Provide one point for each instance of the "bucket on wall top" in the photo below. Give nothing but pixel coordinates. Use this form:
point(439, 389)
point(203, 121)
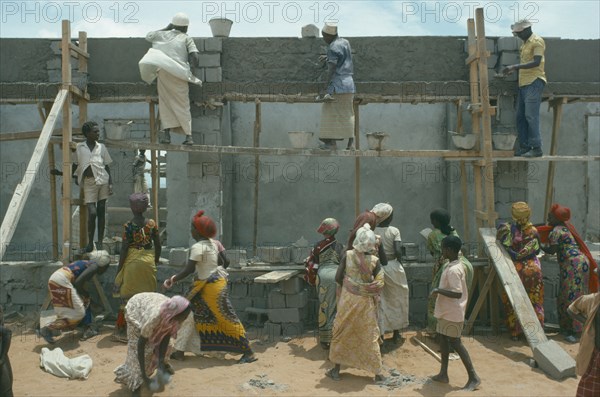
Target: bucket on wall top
point(220, 27)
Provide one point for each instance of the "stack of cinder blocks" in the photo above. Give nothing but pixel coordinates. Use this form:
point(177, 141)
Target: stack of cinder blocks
point(288, 309)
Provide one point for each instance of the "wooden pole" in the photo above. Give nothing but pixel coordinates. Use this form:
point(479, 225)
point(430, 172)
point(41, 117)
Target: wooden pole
point(557, 106)
point(356, 159)
point(257, 128)
point(154, 162)
point(17, 203)
point(465, 201)
point(486, 121)
point(51, 165)
point(66, 140)
point(83, 106)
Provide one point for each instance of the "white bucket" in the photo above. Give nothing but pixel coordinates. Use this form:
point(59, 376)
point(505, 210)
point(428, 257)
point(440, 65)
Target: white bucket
point(375, 140)
point(504, 141)
point(117, 129)
point(220, 27)
point(300, 139)
point(465, 142)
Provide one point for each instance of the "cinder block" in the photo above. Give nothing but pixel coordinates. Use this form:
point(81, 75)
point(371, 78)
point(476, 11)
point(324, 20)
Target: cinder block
point(490, 45)
point(210, 60)
point(297, 300)
point(178, 256)
point(200, 43)
point(276, 299)
point(213, 75)
point(240, 304)
point(310, 31)
point(237, 258)
point(271, 254)
point(508, 44)
point(286, 315)
point(256, 290)
point(553, 360)
point(518, 194)
point(492, 60)
point(509, 58)
point(239, 290)
point(272, 330)
point(292, 286)
point(292, 329)
point(299, 254)
point(420, 290)
point(257, 315)
point(502, 195)
point(312, 311)
point(260, 303)
point(213, 44)
point(25, 297)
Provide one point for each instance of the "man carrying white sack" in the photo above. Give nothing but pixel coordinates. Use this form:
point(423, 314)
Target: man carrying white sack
point(167, 60)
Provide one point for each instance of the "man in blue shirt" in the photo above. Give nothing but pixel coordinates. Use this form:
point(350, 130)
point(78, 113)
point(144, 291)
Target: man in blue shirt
point(337, 116)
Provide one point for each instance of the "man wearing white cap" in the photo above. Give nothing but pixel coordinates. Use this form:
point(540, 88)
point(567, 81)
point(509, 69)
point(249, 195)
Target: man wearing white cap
point(170, 64)
point(532, 80)
point(337, 116)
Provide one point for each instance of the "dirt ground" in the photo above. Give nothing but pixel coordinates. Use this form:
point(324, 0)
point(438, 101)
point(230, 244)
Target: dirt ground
point(292, 367)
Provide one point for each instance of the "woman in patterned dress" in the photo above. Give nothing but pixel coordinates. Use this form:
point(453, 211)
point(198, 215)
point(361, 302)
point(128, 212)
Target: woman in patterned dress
point(576, 264)
point(355, 341)
point(521, 240)
point(140, 255)
point(322, 265)
point(219, 327)
point(152, 319)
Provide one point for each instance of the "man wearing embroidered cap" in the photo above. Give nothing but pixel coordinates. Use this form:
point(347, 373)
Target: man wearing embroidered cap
point(169, 61)
point(532, 80)
point(337, 116)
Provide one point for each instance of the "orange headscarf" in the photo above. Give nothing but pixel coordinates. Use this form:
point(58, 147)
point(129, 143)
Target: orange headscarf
point(563, 214)
point(204, 225)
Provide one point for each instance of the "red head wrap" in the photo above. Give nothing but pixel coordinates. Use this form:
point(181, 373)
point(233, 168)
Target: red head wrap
point(204, 225)
point(561, 213)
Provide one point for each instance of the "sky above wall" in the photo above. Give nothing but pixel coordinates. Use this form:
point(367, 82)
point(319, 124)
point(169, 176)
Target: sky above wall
point(42, 19)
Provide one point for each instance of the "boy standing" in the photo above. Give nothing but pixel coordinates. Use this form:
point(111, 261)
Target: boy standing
point(139, 175)
point(93, 172)
point(450, 307)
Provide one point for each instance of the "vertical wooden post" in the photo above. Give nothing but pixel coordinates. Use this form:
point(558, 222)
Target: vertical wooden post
point(465, 200)
point(556, 120)
point(256, 143)
point(83, 106)
point(154, 162)
point(66, 141)
point(356, 159)
point(51, 165)
point(484, 93)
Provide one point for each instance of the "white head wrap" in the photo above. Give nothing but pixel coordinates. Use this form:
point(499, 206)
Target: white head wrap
point(382, 211)
point(180, 19)
point(365, 240)
point(330, 28)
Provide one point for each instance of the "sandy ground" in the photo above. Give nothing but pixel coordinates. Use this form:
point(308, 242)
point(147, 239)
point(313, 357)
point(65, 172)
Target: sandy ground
point(293, 367)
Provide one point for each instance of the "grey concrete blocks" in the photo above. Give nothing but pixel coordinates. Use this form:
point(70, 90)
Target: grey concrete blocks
point(200, 44)
point(240, 303)
point(25, 297)
point(237, 258)
point(508, 44)
point(260, 302)
point(299, 254)
point(213, 75)
point(289, 315)
point(553, 360)
point(239, 290)
point(490, 45)
point(199, 73)
point(419, 290)
point(292, 286)
point(297, 300)
point(310, 31)
point(271, 254)
point(210, 60)
point(509, 58)
point(276, 299)
point(257, 290)
point(213, 44)
point(178, 256)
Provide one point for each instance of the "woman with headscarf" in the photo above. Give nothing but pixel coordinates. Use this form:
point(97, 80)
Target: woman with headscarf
point(70, 299)
point(219, 327)
point(355, 341)
point(321, 267)
point(152, 319)
point(140, 255)
point(576, 264)
point(521, 240)
point(393, 307)
point(372, 219)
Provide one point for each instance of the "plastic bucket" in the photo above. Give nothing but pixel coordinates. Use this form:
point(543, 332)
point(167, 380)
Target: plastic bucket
point(220, 27)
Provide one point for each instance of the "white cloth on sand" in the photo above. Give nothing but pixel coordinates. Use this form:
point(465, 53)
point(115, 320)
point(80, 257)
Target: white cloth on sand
point(56, 363)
